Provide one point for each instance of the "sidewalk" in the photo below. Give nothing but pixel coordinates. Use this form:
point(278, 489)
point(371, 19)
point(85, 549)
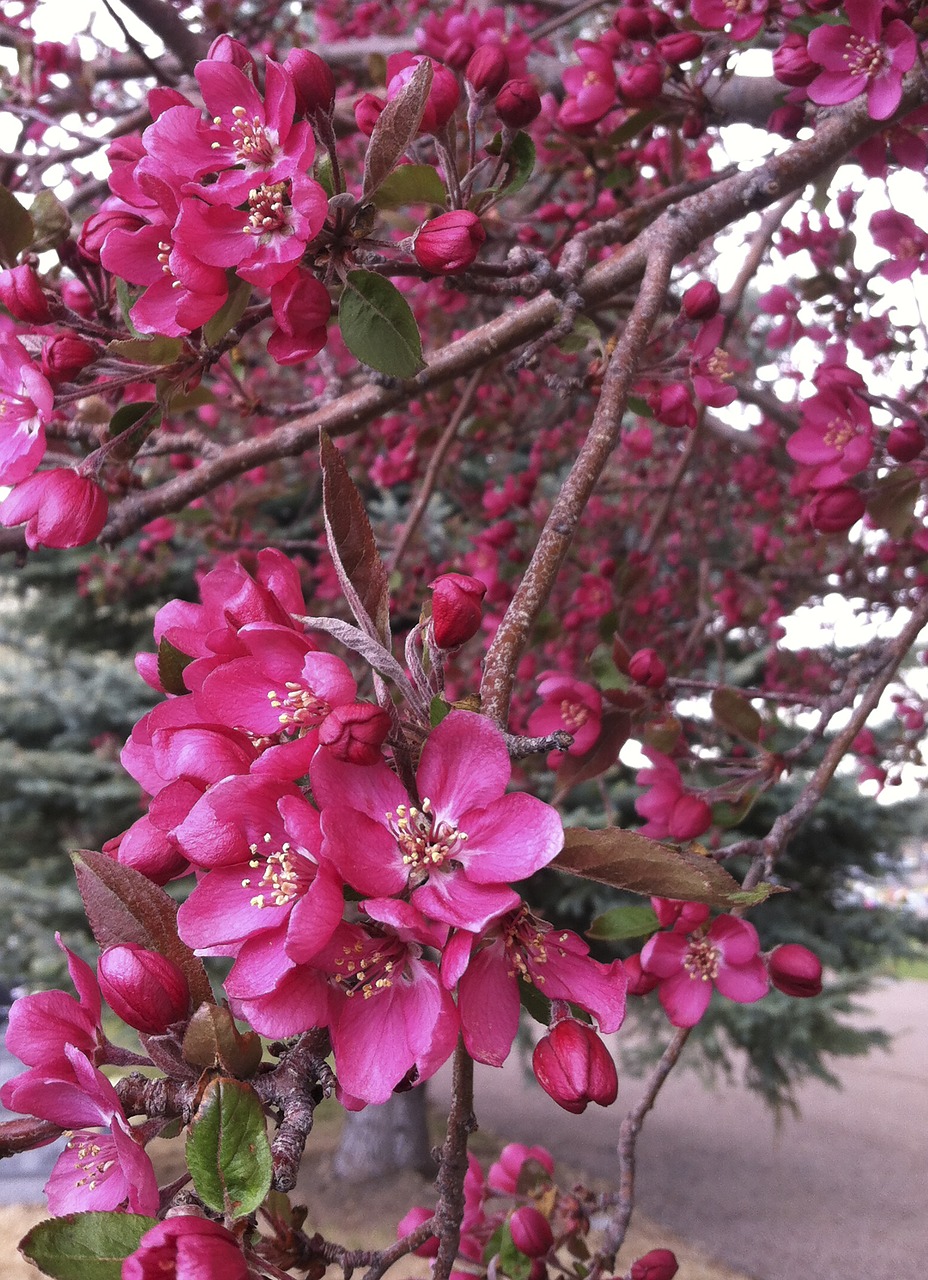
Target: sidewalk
point(840, 1194)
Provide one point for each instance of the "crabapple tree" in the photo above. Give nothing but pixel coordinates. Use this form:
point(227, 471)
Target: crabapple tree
point(514, 375)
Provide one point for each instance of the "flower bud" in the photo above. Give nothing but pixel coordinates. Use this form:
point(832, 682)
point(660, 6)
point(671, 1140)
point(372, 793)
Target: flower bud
point(673, 405)
point(640, 982)
point(186, 1248)
point(531, 1231)
point(906, 442)
point(65, 356)
point(456, 608)
point(641, 84)
point(313, 82)
point(21, 294)
point(143, 988)
point(449, 242)
point(795, 970)
point(646, 668)
point(367, 111)
point(444, 93)
point(701, 301)
point(518, 103)
point(355, 732)
point(632, 23)
point(488, 69)
point(659, 1264)
point(415, 1218)
point(93, 233)
point(689, 818)
point(792, 64)
point(226, 48)
point(59, 508)
point(836, 510)
point(574, 1067)
point(680, 46)
point(76, 296)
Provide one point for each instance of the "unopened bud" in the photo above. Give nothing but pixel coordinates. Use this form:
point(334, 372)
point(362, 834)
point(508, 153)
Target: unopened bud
point(531, 1232)
point(646, 668)
point(701, 301)
point(65, 356)
point(367, 111)
point(21, 294)
point(836, 510)
point(313, 82)
point(185, 1246)
point(689, 818)
point(641, 84)
point(659, 1264)
point(143, 988)
point(680, 46)
point(227, 49)
point(456, 608)
point(906, 442)
point(449, 242)
point(632, 23)
point(640, 982)
point(574, 1067)
point(355, 732)
point(487, 70)
point(518, 103)
point(795, 970)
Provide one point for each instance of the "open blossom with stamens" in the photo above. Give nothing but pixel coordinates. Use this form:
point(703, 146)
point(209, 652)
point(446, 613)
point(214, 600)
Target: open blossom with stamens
point(591, 87)
point(520, 947)
point(742, 19)
point(865, 55)
point(26, 401)
point(835, 436)
point(570, 705)
point(725, 956)
point(459, 847)
point(711, 366)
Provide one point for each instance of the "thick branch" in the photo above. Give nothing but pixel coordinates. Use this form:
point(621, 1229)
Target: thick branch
point(187, 46)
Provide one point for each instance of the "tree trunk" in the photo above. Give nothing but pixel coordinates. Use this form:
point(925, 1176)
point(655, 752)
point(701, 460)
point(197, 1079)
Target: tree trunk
point(383, 1139)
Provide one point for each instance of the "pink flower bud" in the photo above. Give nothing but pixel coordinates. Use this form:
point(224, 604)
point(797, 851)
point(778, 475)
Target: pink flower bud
point(227, 49)
point(65, 356)
point(488, 69)
point(518, 103)
point(59, 509)
point(646, 668)
point(456, 608)
point(836, 510)
point(449, 242)
point(444, 94)
point(415, 1218)
point(355, 732)
point(143, 988)
point(689, 818)
point(93, 233)
point(531, 1231)
point(906, 442)
point(795, 970)
point(640, 982)
point(21, 294)
point(574, 1067)
point(313, 82)
point(187, 1247)
point(673, 405)
point(659, 1264)
point(641, 84)
point(792, 64)
point(367, 111)
point(632, 23)
point(701, 301)
point(76, 296)
point(680, 46)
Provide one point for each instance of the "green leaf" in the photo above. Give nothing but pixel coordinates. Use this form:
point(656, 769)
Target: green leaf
point(734, 713)
point(127, 299)
point(891, 505)
point(148, 417)
point(634, 125)
point(520, 161)
point(585, 333)
point(229, 314)
point(438, 709)
point(352, 545)
point(623, 922)
point(146, 350)
point(51, 221)
point(396, 127)
point(123, 906)
point(411, 184)
point(325, 174)
point(228, 1152)
point(378, 326)
point(85, 1246)
point(536, 1005)
point(627, 860)
point(171, 664)
point(16, 229)
point(512, 1262)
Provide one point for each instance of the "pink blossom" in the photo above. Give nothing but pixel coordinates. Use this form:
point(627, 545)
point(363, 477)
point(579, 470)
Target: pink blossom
point(143, 987)
point(904, 240)
point(449, 243)
point(444, 94)
point(671, 811)
point(741, 20)
point(574, 1067)
point(862, 55)
point(26, 401)
point(187, 1247)
point(726, 955)
point(59, 508)
point(835, 436)
point(711, 366)
point(506, 1174)
point(22, 295)
point(459, 846)
point(520, 947)
point(570, 705)
point(301, 307)
point(591, 87)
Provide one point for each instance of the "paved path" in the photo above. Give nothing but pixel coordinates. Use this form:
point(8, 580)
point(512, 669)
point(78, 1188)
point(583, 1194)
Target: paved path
point(840, 1194)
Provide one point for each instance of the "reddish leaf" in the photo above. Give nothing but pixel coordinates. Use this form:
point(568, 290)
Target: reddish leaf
point(361, 572)
point(627, 860)
point(123, 906)
point(734, 713)
point(613, 734)
point(396, 127)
